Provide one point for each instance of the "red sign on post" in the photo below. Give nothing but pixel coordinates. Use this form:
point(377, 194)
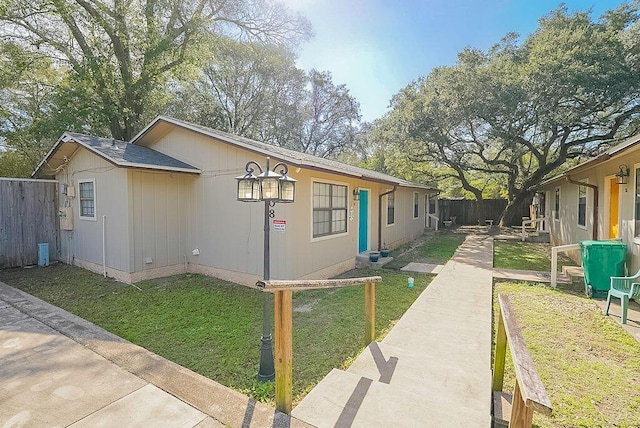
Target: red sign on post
point(279, 225)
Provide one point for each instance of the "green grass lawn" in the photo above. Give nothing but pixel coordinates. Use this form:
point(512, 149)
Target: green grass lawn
point(526, 256)
point(213, 327)
point(588, 364)
point(435, 249)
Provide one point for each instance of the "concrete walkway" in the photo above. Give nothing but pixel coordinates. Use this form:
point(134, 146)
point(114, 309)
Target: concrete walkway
point(57, 370)
point(432, 369)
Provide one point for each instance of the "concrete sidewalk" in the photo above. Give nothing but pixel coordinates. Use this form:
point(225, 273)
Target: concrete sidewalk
point(60, 370)
point(434, 366)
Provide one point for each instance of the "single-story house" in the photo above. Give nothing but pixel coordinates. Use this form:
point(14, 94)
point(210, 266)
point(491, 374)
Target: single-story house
point(166, 203)
point(597, 199)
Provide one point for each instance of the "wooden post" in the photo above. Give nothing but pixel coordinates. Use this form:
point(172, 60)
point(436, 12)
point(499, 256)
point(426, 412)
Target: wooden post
point(500, 354)
point(370, 311)
point(283, 319)
point(521, 414)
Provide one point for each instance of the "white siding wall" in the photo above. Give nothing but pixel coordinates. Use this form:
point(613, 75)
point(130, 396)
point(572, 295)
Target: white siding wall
point(83, 245)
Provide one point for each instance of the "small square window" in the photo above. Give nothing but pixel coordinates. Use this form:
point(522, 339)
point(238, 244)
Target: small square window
point(87, 199)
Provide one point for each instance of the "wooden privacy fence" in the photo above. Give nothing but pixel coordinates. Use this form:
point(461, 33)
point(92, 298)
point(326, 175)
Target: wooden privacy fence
point(529, 393)
point(466, 210)
point(28, 216)
point(283, 329)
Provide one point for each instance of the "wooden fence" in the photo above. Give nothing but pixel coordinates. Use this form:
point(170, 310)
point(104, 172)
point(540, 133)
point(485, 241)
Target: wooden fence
point(466, 210)
point(28, 216)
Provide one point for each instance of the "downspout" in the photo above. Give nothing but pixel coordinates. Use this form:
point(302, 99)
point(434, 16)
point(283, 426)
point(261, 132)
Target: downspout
point(595, 204)
point(380, 215)
point(104, 246)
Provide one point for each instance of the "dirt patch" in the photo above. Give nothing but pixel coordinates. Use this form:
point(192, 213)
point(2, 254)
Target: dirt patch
point(307, 307)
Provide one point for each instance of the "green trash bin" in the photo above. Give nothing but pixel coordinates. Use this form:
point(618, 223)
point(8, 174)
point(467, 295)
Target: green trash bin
point(601, 260)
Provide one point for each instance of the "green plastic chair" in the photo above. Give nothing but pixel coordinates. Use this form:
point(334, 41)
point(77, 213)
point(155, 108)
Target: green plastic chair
point(624, 288)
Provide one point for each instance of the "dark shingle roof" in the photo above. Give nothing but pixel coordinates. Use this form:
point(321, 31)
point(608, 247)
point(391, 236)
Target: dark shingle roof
point(127, 154)
point(117, 152)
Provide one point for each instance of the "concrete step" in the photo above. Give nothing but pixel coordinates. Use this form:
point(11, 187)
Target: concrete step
point(363, 262)
point(345, 399)
point(461, 384)
point(572, 271)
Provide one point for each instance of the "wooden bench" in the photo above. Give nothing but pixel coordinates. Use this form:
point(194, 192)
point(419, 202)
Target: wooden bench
point(529, 393)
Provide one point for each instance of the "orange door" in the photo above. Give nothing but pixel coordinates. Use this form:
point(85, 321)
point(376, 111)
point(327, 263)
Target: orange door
point(613, 210)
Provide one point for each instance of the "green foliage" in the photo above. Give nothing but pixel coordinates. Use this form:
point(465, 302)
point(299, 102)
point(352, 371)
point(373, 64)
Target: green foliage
point(256, 91)
point(119, 54)
point(501, 121)
point(526, 256)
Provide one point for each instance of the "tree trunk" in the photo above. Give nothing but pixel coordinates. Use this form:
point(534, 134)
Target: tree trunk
point(511, 214)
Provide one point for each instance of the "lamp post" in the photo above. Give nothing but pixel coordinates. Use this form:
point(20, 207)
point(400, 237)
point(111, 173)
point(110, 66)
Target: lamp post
point(269, 187)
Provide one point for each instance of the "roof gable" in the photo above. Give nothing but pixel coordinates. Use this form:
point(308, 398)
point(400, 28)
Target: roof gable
point(161, 125)
point(119, 153)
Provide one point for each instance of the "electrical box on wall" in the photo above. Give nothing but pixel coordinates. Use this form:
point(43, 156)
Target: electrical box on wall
point(63, 189)
point(71, 191)
point(66, 218)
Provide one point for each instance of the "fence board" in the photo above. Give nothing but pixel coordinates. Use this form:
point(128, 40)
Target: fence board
point(466, 210)
point(28, 216)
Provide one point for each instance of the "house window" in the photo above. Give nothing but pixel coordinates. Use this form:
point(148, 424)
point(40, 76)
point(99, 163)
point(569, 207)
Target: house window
point(391, 208)
point(329, 209)
point(416, 213)
point(637, 231)
point(556, 211)
point(582, 206)
point(87, 199)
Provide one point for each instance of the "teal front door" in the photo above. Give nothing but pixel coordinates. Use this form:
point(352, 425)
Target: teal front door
point(363, 221)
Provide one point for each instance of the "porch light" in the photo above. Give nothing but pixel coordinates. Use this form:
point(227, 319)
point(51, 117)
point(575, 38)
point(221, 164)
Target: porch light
point(287, 188)
point(622, 177)
point(356, 194)
point(268, 187)
point(248, 187)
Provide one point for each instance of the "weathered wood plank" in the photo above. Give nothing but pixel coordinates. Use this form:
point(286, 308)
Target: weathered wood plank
point(499, 355)
point(283, 320)
point(370, 311)
point(28, 216)
point(309, 284)
point(521, 413)
point(530, 385)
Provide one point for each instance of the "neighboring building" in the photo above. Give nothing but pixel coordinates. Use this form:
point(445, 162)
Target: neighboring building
point(587, 201)
point(165, 203)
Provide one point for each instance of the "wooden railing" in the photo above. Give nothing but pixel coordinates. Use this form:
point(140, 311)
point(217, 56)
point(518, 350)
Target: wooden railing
point(539, 222)
point(529, 393)
point(436, 218)
point(283, 329)
point(554, 260)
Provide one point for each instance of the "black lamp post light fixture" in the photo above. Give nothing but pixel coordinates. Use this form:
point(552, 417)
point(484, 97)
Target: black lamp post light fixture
point(622, 176)
point(270, 186)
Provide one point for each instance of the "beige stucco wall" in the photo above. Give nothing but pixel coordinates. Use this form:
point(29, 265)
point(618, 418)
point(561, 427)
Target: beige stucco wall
point(84, 243)
point(566, 230)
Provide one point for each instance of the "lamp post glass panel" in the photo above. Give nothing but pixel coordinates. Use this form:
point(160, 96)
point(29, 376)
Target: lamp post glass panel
point(270, 186)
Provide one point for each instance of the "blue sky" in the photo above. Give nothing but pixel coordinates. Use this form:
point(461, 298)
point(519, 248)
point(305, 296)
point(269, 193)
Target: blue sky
point(377, 47)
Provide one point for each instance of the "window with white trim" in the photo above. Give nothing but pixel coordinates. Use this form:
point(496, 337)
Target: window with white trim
point(391, 208)
point(416, 212)
point(329, 209)
point(582, 206)
point(87, 199)
point(556, 205)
